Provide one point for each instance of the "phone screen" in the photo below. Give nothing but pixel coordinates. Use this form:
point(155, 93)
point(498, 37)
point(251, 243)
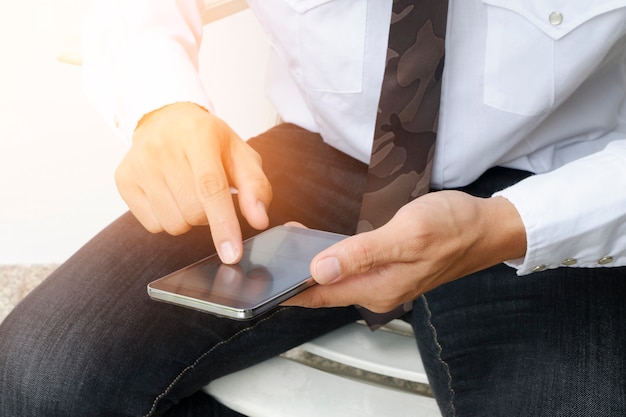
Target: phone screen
point(274, 267)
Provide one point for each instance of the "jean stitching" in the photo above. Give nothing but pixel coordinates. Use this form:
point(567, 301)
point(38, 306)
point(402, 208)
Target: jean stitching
point(439, 351)
point(204, 355)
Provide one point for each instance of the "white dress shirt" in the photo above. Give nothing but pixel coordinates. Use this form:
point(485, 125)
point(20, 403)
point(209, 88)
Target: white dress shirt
point(538, 85)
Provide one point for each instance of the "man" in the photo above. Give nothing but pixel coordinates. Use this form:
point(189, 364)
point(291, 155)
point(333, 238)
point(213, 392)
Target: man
point(530, 87)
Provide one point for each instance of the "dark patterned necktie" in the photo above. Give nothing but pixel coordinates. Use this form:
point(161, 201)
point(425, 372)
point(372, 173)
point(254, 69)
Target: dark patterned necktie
point(406, 123)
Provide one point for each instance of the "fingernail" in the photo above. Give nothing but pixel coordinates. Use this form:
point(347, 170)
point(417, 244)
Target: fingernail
point(228, 254)
point(327, 270)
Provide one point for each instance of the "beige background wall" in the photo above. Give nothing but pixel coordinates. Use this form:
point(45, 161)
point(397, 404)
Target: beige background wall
point(56, 156)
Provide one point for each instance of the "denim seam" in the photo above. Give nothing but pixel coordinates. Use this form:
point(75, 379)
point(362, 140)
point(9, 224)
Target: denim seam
point(439, 351)
point(204, 355)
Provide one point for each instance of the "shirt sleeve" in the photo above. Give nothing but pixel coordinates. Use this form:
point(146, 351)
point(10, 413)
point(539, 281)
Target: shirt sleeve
point(140, 55)
point(574, 216)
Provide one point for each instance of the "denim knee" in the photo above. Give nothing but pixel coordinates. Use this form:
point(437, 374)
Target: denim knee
point(39, 364)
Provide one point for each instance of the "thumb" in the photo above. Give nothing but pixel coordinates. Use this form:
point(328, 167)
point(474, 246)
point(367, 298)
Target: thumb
point(354, 255)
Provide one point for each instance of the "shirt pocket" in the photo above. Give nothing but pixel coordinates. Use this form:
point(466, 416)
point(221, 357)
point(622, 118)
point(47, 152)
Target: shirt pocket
point(529, 48)
point(331, 42)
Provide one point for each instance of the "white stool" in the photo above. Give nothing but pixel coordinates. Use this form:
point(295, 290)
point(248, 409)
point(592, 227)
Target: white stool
point(348, 372)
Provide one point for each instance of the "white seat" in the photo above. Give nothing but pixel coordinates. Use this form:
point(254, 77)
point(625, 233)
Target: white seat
point(280, 387)
point(358, 366)
point(391, 351)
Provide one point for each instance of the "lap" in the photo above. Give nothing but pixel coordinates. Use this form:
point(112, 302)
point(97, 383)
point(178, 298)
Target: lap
point(89, 341)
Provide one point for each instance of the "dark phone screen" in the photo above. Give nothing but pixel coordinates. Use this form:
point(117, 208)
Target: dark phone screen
point(273, 263)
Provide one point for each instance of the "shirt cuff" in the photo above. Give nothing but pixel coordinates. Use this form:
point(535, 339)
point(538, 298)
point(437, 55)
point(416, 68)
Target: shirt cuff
point(137, 60)
point(574, 216)
point(154, 75)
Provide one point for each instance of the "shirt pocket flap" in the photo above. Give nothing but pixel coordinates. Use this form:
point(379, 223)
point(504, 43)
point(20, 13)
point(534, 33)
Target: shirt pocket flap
point(557, 18)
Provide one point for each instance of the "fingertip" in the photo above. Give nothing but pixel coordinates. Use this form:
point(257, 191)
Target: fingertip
point(228, 253)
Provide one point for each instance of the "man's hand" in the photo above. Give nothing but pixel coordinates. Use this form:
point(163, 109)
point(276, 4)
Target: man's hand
point(434, 239)
point(178, 171)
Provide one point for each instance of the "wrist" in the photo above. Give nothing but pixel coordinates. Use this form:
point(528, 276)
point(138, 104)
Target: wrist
point(174, 111)
point(505, 229)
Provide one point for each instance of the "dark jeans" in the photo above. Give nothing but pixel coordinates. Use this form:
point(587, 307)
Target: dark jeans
point(89, 342)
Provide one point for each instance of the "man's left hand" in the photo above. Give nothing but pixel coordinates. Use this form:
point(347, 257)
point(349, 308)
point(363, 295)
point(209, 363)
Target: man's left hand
point(437, 238)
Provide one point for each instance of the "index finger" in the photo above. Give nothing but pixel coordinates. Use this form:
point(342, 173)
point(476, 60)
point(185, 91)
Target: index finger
point(214, 195)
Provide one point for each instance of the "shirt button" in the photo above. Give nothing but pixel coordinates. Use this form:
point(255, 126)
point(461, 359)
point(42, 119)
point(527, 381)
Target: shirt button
point(116, 122)
point(539, 268)
point(556, 18)
point(569, 262)
point(605, 260)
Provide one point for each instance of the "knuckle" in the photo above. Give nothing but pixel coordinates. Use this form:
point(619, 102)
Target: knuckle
point(196, 216)
point(364, 253)
point(211, 187)
point(190, 207)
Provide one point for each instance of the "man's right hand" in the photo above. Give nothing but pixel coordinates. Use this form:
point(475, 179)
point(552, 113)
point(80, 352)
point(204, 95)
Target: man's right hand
point(178, 171)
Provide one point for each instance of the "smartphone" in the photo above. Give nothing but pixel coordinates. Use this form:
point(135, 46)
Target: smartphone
point(274, 267)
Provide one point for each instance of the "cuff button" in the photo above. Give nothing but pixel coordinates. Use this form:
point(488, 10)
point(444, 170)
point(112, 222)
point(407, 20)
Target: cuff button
point(605, 260)
point(569, 262)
